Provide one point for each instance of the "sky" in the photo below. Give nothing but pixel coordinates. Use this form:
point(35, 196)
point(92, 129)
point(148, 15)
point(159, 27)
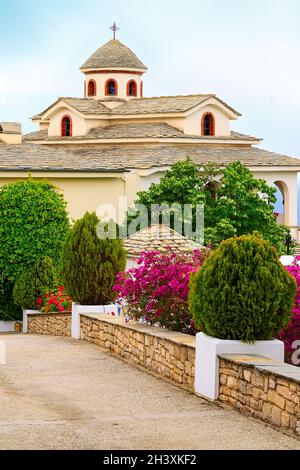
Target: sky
point(247, 52)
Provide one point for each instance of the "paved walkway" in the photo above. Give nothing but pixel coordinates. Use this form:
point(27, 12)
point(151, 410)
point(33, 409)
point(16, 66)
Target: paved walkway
point(58, 393)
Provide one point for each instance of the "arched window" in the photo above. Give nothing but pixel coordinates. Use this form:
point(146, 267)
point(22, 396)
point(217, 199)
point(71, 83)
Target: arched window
point(111, 88)
point(131, 88)
point(1, 129)
point(66, 126)
point(92, 88)
point(142, 89)
point(208, 124)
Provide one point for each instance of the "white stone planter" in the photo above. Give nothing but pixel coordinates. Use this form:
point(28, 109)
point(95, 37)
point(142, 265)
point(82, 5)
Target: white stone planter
point(78, 310)
point(26, 313)
point(207, 361)
point(7, 326)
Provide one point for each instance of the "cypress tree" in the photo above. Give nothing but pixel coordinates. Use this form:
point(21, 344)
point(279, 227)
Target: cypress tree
point(90, 264)
point(242, 291)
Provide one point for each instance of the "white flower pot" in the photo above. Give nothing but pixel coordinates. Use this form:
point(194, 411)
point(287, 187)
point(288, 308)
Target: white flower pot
point(78, 310)
point(208, 350)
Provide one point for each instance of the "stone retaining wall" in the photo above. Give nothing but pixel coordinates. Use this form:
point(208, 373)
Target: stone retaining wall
point(267, 391)
point(58, 324)
point(168, 354)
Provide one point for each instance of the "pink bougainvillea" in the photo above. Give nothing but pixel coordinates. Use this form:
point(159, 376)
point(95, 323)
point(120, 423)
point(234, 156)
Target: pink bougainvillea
point(292, 332)
point(157, 289)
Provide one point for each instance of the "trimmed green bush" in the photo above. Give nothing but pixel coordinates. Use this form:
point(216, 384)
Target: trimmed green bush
point(33, 223)
point(89, 264)
point(242, 291)
point(34, 283)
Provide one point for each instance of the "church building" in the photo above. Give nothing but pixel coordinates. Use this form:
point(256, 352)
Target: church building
point(113, 142)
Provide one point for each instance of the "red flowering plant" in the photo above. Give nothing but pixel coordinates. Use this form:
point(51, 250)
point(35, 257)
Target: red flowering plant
point(292, 333)
point(56, 301)
point(157, 289)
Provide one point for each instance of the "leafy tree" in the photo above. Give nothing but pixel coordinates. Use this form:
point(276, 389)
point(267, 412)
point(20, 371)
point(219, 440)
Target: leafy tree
point(235, 202)
point(90, 264)
point(242, 291)
point(34, 283)
point(33, 223)
point(248, 204)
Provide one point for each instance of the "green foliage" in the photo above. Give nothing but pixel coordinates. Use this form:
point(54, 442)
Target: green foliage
point(89, 264)
point(33, 223)
point(34, 283)
point(242, 292)
point(248, 204)
point(8, 310)
point(235, 202)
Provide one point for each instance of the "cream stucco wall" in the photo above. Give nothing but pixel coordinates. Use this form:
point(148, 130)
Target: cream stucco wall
point(79, 124)
point(121, 78)
point(83, 194)
point(105, 192)
point(192, 123)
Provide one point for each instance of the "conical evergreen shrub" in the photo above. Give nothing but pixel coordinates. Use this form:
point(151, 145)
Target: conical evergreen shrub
point(242, 291)
point(89, 264)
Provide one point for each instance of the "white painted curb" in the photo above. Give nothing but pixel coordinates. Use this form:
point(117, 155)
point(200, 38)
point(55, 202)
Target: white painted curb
point(207, 361)
point(26, 313)
point(7, 326)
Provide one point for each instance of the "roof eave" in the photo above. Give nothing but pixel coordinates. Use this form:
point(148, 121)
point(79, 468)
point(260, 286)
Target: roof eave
point(108, 69)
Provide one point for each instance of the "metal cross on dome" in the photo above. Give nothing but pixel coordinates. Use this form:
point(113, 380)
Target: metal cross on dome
point(114, 28)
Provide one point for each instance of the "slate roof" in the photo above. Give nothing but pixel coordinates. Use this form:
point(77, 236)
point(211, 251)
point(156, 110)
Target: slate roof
point(114, 54)
point(33, 157)
point(155, 105)
point(158, 238)
point(135, 131)
point(166, 104)
point(83, 105)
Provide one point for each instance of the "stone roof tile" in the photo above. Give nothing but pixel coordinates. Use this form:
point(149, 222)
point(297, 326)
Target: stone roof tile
point(158, 238)
point(137, 106)
point(138, 131)
point(33, 157)
point(114, 54)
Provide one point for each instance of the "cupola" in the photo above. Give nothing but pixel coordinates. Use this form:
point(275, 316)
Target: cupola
point(113, 71)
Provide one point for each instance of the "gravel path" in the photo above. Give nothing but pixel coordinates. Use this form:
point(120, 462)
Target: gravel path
point(58, 393)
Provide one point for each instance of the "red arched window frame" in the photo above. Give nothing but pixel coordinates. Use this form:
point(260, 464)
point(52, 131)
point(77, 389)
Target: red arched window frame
point(66, 126)
point(132, 88)
point(107, 86)
point(208, 125)
point(92, 88)
point(142, 89)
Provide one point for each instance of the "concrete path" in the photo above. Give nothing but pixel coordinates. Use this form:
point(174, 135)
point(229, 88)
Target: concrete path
point(58, 393)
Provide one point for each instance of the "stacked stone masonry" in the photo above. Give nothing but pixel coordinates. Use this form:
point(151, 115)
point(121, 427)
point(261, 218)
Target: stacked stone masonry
point(168, 358)
point(54, 324)
point(260, 393)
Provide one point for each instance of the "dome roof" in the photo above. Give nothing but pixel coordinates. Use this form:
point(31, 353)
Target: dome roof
point(112, 55)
